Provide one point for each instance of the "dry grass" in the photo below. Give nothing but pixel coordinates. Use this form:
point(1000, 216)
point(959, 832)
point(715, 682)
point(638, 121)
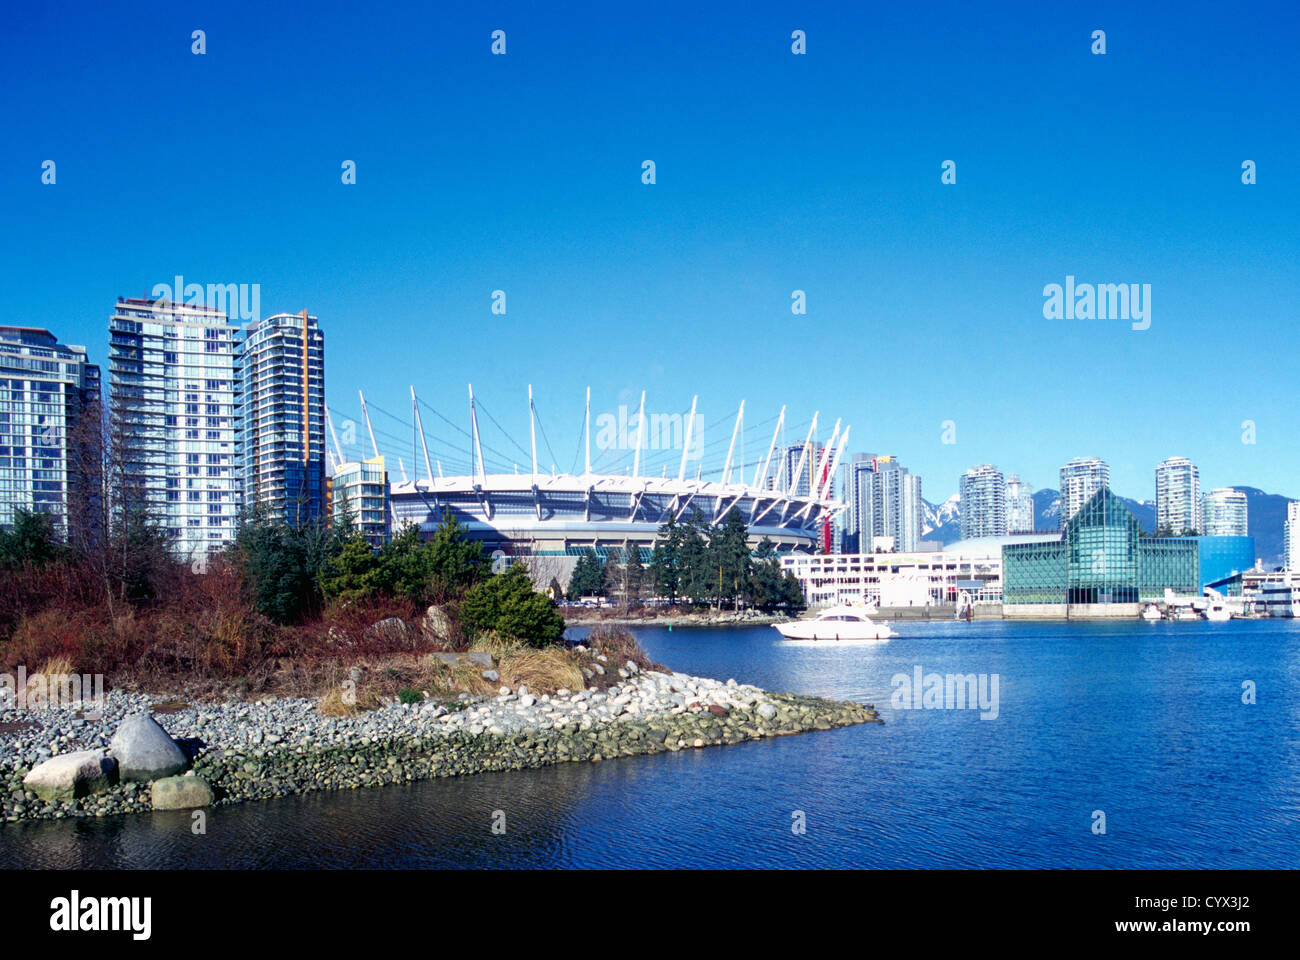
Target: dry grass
point(500, 647)
point(333, 705)
point(542, 671)
point(447, 680)
point(340, 703)
point(56, 667)
point(620, 646)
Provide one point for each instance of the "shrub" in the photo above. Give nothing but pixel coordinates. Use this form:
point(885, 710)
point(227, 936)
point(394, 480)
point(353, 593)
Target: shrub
point(508, 604)
point(620, 646)
point(409, 696)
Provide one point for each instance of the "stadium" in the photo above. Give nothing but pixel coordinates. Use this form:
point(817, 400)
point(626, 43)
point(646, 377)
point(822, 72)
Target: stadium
point(550, 518)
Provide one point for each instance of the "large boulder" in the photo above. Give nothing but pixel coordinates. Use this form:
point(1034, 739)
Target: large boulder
point(144, 751)
point(436, 625)
point(181, 793)
point(483, 660)
point(391, 629)
point(71, 775)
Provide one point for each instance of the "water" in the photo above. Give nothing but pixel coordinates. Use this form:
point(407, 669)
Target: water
point(1142, 721)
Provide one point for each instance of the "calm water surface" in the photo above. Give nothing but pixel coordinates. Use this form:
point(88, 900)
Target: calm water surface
point(1142, 721)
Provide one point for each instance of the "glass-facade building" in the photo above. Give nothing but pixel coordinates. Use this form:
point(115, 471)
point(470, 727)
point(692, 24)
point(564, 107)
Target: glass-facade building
point(359, 491)
point(1291, 537)
point(1224, 513)
point(983, 492)
point(1020, 505)
point(1101, 559)
point(1080, 479)
point(282, 385)
point(1178, 497)
point(175, 420)
point(50, 431)
point(1224, 557)
point(885, 509)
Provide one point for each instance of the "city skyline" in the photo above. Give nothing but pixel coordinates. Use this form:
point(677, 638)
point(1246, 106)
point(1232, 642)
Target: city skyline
point(777, 173)
point(287, 357)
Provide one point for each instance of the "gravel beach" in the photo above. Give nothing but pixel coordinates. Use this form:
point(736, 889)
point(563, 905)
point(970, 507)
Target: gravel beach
point(282, 746)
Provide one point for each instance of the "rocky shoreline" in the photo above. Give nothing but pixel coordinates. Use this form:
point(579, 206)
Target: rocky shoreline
point(279, 747)
point(704, 618)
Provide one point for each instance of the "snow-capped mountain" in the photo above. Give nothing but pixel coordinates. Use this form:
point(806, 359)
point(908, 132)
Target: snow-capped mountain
point(942, 522)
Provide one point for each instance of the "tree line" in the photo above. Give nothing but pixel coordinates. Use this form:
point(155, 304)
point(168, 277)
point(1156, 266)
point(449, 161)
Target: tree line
point(693, 562)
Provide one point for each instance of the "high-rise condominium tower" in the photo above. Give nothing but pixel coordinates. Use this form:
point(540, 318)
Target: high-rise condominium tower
point(1081, 478)
point(1223, 513)
point(885, 509)
point(175, 421)
point(50, 431)
point(281, 375)
point(1178, 496)
point(1291, 540)
point(983, 502)
point(1020, 505)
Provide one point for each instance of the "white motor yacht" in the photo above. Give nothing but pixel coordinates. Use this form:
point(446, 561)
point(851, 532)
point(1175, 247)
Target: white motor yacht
point(1218, 611)
point(841, 624)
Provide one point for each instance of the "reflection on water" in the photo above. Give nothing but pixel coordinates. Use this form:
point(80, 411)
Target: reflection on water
point(1143, 721)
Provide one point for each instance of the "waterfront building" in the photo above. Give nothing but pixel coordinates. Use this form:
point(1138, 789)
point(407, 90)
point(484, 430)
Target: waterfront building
point(282, 386)
point(50, 431)
point(983, 492)
point(1291, 537)
point(1279, 595)
point(360, 493)
point(175, 421)
point(1222, 558)
point(1098, 566)
point(1178, 497)
point(1081, 478)
point(1020, 505)
point(1223, 513)
point(900, 579)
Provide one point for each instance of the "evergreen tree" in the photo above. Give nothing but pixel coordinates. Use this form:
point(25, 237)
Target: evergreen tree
point(693, 562)
point(633, 577)
point(729, 560)
point(586, 578)
point(666, 560)
point(456, 563)
point(767, 585)
point(508, 603)
point(611, 581)
point(32, 541)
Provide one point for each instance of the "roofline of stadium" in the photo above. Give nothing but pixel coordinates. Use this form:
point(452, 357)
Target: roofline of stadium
point(791, 518)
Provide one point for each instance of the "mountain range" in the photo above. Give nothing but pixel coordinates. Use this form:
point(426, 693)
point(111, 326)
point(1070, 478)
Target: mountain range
point(1265, 515)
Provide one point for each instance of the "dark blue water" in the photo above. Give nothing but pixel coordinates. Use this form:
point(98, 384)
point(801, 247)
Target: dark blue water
point(1142, 721)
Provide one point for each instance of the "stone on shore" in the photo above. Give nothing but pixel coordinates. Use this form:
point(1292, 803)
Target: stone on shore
point(436, 625)
point(181, 793)
point(144, 751)
point(71, 775)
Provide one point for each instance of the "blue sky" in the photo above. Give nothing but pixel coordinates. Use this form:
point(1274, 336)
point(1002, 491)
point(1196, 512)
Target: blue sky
point(775, 172)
